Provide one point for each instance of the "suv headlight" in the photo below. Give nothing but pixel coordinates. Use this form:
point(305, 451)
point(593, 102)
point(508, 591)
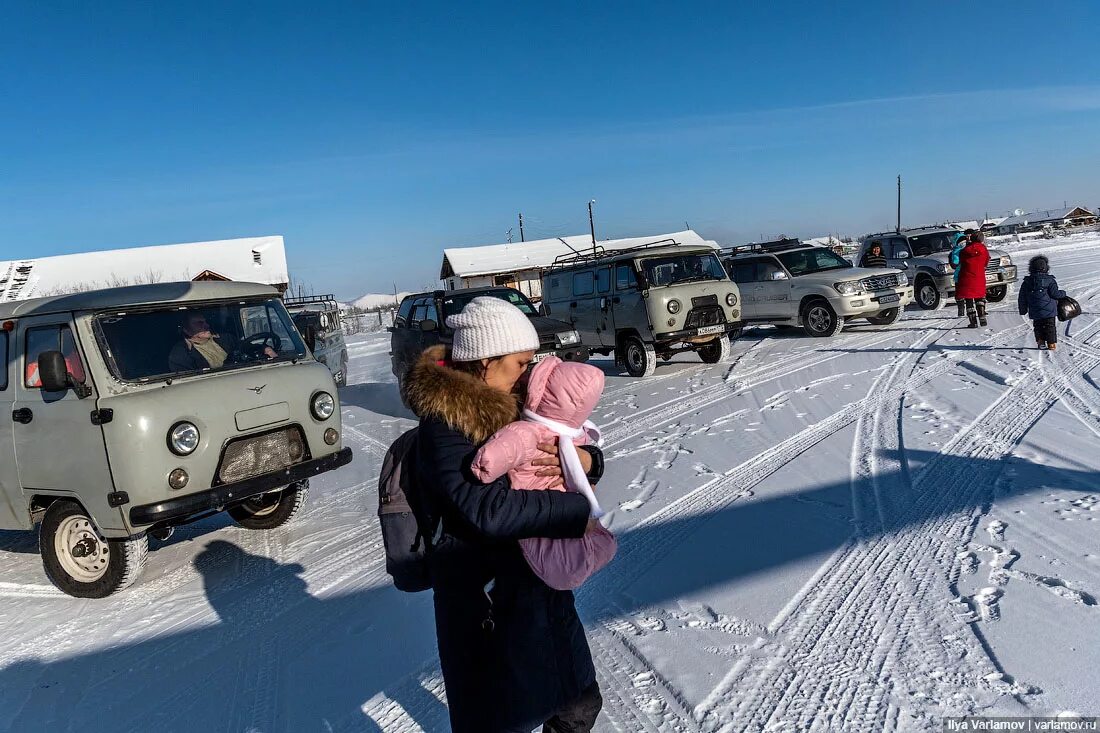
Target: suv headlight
point(1006, 261)
point(568, 338)
point(903, 279)
point(183, 439)
point(946, 268)
point(322, 405)
point(848, 288)
point(674, 306)
point(731, 299)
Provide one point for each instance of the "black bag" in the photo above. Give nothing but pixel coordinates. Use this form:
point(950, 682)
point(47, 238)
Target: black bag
point(401, 516)
point(1068, 308)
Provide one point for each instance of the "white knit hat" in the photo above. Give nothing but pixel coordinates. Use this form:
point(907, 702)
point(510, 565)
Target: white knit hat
point(489, 327)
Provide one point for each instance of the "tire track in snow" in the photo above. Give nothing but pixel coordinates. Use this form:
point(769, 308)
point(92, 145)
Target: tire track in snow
point(841, 644)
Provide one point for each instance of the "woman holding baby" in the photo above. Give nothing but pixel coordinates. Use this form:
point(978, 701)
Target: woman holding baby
point(505, 463)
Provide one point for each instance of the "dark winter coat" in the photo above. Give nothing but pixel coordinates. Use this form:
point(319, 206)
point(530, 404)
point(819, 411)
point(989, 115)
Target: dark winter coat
point(1039, 296)
point(533, 658)
point(184, 358)
point(972, 263)
point(872, 260)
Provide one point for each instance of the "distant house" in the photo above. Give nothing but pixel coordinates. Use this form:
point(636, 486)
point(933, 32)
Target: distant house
point(519, 264)
point(1070, 216)
point(255, 259)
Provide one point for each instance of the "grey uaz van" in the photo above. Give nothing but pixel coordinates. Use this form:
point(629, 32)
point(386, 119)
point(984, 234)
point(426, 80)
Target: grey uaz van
point(129, 411)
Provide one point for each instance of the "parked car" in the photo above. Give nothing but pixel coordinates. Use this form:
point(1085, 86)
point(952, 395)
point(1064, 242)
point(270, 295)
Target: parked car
point(923, 254)
point(421, 322)
point(813, 287)
point(646, 302)
point(106, 439)
point(318, 319)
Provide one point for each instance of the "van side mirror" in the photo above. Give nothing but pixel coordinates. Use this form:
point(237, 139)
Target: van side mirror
point(52, 371)
point(428, 325)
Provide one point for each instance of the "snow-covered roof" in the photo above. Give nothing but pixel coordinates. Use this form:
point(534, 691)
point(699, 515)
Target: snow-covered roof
point(539, 253)
point(253, 259)
point(1048, 215)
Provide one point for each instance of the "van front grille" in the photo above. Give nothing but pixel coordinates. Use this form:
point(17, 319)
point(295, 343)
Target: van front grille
point(255, 455)
point(707, 316)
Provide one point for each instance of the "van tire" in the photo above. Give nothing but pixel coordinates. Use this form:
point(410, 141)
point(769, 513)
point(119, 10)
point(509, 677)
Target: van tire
point(637, 357)
point(268, 512)
point(997, 294)
point(718, 351)
point(927, 295)
point(343, 380)
point(885, 318)
point(820, 320)
point(64, 522)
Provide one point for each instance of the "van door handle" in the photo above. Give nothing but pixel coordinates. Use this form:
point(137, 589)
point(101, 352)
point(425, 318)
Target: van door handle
point(22, 415)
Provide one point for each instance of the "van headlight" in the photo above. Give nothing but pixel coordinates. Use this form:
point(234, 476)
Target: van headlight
point(183, 439)
point(848, 288)
point(731, 299)
point(674, 306)
point(322, 405)
point(568, 338)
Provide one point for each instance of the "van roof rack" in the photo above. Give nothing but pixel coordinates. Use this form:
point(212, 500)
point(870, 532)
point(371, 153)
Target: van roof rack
point(304, 299)
point(598, 253)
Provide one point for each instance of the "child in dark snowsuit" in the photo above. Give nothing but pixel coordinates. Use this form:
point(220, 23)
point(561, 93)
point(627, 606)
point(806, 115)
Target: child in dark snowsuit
point(1039, 296)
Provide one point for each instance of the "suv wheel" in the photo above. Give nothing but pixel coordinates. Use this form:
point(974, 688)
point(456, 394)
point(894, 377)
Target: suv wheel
point(82, 563)
point(885, 318)
point(820, 320)
point(639, 358)
point(929, 296)
point(720, 350)
point(271, 510)
point(997, 294)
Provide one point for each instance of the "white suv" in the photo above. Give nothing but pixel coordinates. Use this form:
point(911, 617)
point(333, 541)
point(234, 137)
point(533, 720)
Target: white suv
point(793, 284)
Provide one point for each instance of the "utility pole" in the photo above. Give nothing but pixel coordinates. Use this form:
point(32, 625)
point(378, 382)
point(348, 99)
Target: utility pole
point(591, 225)
point(521, 227)
point(899, 204)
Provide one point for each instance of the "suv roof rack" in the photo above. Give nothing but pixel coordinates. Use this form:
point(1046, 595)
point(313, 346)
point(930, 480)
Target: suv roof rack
point(598, 253)
point(779, 245)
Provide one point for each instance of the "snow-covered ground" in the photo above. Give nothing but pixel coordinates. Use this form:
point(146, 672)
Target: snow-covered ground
point(863, 533)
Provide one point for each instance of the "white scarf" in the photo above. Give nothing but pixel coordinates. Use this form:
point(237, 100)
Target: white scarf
point(571, 468)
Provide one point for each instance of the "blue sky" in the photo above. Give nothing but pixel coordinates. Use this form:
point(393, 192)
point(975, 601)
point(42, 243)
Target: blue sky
point(372, 135)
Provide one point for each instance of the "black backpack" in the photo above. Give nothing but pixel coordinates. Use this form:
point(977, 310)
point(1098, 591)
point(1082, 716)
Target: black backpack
point(401, 514)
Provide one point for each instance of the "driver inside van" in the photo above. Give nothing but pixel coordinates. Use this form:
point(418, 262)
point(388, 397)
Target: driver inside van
point(201, 348)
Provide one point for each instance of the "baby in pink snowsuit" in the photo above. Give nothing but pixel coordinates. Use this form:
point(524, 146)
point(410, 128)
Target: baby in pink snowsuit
point(560, 397)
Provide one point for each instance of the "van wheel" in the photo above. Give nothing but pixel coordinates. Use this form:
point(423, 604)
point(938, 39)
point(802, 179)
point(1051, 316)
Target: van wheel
point(885, 318)
point(270, 510)
point(929, 296)
point(720, 350)
point(820, 320)
point(639, 358)
point(82, 563)
point(996, 295)
point(343, 380)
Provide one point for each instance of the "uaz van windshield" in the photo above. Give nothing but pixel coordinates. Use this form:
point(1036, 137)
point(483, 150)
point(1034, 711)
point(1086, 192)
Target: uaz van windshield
point(162, 343)
point(454, 303)
point(806, 261)
point(676, 269)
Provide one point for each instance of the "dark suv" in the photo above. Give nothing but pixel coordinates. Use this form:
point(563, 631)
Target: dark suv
point(421, 322)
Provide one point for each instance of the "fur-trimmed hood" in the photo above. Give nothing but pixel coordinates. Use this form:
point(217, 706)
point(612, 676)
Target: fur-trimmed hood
point(460, 400)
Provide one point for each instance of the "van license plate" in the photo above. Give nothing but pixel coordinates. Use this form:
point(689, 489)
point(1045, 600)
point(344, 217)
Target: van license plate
point(892, 298)
point(710, 329)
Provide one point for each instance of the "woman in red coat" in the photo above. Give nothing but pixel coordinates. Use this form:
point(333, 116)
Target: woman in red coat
point(971, 286)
